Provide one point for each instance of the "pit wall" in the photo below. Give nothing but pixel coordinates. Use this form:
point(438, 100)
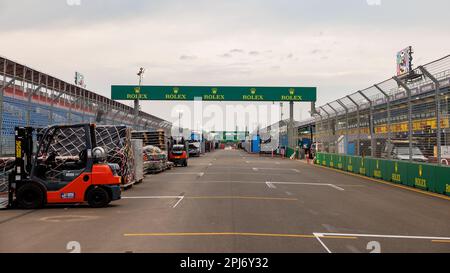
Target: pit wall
point(428, 177)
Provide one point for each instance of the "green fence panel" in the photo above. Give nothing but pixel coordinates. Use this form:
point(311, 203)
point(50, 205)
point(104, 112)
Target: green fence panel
point(331, 159)
point(442, 182)
point(421, 176)
point(364, 164)
point(341, 162)
point(318, 158)
point(346, 160)
point(350, 163)
point(397, 171)
point(378, 168)
point(356, 161)
point(325, 158)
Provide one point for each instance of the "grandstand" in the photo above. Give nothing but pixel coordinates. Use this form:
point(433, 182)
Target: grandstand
point(30, 97)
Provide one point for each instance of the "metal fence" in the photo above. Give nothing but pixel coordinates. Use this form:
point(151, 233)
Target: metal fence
point(30, 97)
point(395, 119)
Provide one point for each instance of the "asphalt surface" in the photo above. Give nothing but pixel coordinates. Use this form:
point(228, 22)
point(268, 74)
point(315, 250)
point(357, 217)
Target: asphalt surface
point(230, 201)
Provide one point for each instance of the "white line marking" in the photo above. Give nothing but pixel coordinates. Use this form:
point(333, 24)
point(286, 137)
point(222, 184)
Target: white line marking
point(295, 170)
point(386, 236)
point(201, 174)
point(151, 197)
point(278, 163)
point(248, 162)
point(210, 164)
point(309, 184)
point(318, 235)
point(336, 187)
point(255, 169)
point(270, 185)
point(179, 200)
point(181, 173)
point(289, 193)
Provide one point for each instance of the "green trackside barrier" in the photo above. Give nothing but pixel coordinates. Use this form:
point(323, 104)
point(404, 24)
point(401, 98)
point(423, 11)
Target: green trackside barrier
point(318, 158)
point(364, 164)
point(378, 169)
point(330, 160)
point(324, 159)
point(349, 163)
point(345, 160)
point(356, 162)
point(340, 162)
point(442, 182)
point(422, 176)
point(397, 171)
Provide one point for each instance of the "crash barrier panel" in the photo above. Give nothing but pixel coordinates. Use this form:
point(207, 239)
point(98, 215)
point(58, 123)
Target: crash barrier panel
point(424, 176)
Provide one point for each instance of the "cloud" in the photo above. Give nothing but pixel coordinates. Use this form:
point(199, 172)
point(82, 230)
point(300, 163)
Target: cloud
point(225, 55)
point(237, 50)
point(187, 57)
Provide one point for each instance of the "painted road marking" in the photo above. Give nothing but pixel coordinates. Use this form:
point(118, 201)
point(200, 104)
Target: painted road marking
point(201, 174)
point(327, 235)
point(179, 200)
point(270, 185)
point(151, 197)
point(295, 170)
point(309, 184)
point(170, 234)
point(441, 241)
point(212, 197)
point(184, 173)
point(243, 197)
point(255, 169)
point(384, 182)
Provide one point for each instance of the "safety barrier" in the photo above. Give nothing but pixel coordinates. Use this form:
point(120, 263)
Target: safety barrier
point(429, 177)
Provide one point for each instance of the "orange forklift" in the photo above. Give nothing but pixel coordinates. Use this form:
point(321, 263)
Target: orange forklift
point(67, 168)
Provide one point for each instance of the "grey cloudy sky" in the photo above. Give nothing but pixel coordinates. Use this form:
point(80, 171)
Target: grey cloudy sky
point(338, 46)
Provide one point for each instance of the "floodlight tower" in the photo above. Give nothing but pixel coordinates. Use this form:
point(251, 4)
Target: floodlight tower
point(136, 101)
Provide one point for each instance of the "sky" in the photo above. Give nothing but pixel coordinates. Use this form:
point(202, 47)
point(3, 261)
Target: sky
point(338, 46)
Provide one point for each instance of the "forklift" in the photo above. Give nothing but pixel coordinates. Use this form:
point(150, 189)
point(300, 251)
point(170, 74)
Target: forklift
point(178, 151)
point(67, 168)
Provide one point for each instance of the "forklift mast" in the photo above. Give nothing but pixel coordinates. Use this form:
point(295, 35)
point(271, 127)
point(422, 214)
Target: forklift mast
point(23, 156)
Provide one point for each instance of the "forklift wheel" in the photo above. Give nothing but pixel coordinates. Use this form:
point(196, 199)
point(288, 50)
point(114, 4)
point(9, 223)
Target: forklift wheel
point(98, 198)
point(30, 196)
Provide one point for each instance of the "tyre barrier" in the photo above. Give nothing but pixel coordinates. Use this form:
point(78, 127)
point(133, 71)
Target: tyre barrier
point(424, 176)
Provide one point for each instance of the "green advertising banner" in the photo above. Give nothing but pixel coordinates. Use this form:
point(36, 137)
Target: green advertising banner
point(213, 93)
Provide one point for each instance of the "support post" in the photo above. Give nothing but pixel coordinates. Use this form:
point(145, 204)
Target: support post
point(388, 109)
point(335, 127)
point(410, 131)
point(346, 124)
point(372, 140)
point(437, 99)
point(358, 120)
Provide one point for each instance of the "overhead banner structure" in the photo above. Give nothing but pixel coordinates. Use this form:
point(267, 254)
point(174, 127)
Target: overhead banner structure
point(213, 93)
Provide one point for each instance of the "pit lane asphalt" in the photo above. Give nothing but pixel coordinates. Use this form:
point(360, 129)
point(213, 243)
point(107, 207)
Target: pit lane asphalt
point(230, 201)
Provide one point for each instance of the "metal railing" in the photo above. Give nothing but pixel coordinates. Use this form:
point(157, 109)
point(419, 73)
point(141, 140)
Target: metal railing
point(395, 119)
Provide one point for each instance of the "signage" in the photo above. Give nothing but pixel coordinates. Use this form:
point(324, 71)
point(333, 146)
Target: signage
point(213, 93)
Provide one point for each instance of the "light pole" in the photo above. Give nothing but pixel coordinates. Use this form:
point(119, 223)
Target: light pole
point(136, 101)
point(180, 115)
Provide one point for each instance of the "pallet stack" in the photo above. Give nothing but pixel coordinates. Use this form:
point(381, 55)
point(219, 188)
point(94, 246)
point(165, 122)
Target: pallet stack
point(154, 138)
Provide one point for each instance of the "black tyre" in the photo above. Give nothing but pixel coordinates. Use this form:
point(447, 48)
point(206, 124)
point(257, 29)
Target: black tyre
point(30, 196)
point(98, 197)
point(185, 164)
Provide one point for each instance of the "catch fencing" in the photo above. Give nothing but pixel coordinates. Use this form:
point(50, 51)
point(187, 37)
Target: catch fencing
point(401, 118)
